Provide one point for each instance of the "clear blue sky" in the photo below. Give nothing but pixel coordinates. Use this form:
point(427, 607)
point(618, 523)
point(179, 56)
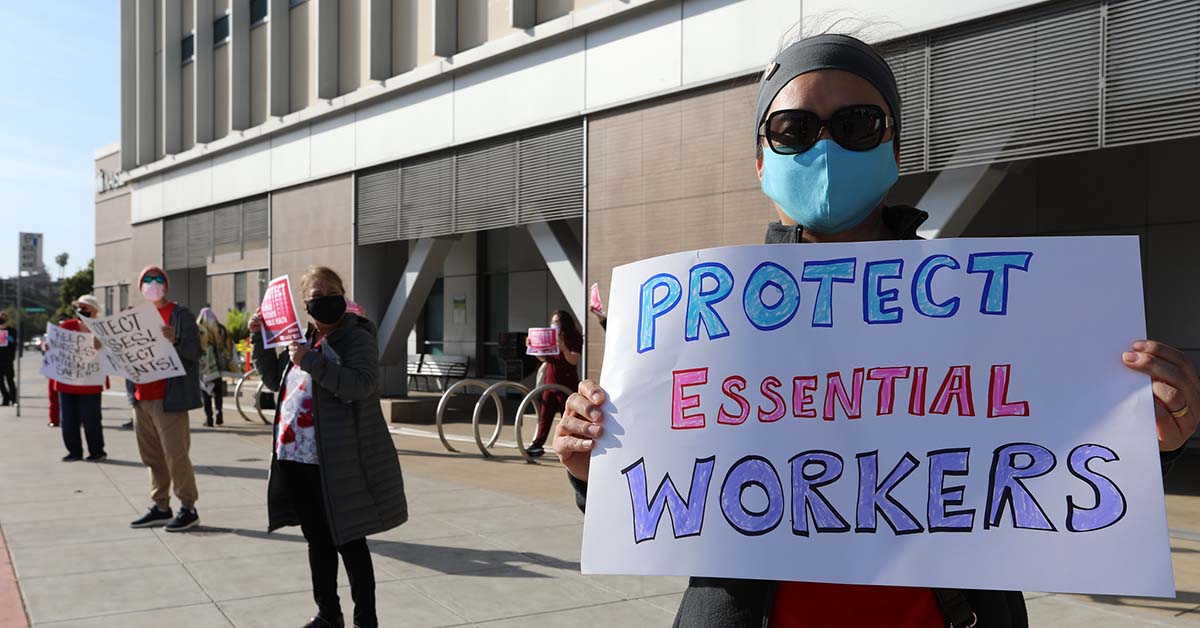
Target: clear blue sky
point(60, 101)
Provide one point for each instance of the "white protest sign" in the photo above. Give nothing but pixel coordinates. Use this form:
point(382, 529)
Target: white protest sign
point(133, 345)
point(280, 326)
point(71, 358)
point(542, 341)
point(946, 413)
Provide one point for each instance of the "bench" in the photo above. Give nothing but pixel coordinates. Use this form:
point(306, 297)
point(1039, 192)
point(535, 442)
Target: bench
point(440, 369)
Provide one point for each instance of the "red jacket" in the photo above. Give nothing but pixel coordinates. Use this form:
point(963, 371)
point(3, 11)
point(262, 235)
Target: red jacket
point(72, 324)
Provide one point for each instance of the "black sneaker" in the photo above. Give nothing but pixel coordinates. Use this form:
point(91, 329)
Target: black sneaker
point(127, 426)
point(153, 518)
point(187, 519)
point(321, 622)
point(536, 452)
point(72, 458)
point(97, 457)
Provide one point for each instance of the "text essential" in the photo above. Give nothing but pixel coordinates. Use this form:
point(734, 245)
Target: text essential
point(949, 413)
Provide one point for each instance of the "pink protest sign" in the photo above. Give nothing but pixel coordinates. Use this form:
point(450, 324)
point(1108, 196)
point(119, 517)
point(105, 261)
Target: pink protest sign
point(543, 341)
point(594, 299)
point(280, 326)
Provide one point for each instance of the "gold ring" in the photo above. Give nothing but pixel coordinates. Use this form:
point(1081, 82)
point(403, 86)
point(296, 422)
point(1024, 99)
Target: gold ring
point(1180, 413)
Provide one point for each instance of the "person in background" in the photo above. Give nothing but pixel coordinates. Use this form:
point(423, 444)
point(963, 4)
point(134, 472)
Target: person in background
point(334, 469)
point(130, 396)
point(217, 359)
point(161, 414)
point(561, 369)
point(10, 350)
point(81, 404)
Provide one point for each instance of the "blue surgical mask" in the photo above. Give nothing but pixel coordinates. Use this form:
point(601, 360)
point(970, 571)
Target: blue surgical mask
point(827, 188)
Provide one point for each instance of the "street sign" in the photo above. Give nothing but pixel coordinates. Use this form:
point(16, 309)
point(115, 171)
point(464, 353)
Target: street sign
point(31, 252)
point(35, 310)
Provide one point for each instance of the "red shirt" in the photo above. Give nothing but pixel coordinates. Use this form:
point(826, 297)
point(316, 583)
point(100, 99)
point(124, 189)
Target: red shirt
point(155, 390)
point(818, 605)
point(72, 324)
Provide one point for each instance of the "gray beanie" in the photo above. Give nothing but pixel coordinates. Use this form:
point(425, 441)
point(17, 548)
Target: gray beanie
point(828, 52)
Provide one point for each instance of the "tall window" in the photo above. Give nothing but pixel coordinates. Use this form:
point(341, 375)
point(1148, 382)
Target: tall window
point(188, 48)
point(108, 301)
point(435, 328)
point(221, 29)
point(239, 291)
point(263, 279)
point(258, 11)
point(124, 298)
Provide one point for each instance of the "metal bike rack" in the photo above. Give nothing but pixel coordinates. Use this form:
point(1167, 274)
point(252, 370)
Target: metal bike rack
point(492, 391)
point(237, 396)
point(531, 398)
point(441, 410)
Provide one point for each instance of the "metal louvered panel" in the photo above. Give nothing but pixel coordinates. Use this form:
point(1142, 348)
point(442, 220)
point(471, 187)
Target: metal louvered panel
point(1152, 71)
point(199, 238)
point(426, 198)
point(378, 194)
point(175, 242)
point(254, 224)
point(550, 185)
point(227, 229)
point(485, 181)
point(909, 61)
point(1017, 87)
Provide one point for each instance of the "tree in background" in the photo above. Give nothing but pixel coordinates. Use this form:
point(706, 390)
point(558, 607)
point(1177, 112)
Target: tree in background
point(236, 321)
point(61, 260)
point(75, 286)
point(32, 323)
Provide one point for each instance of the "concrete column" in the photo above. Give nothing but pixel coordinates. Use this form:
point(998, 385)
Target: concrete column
point(445, 27)
point(146, 82)
point(327, 48)
point(202, 71)
point(377, 39)
point(171, 116)
point(279, 55)
point(425, 260)
point(239, 65)
point(957, 195)
point(129, 84)
point(564, 259)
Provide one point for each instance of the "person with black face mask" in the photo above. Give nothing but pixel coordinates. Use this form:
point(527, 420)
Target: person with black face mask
point(334, 470)
point(10, 350)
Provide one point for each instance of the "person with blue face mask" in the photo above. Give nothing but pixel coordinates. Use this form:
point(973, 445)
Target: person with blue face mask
point(827, 132)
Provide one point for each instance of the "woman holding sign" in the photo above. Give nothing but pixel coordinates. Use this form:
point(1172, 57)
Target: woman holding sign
point(334, 470)
point(827, 153)
point(81, 404)
point(561, 368)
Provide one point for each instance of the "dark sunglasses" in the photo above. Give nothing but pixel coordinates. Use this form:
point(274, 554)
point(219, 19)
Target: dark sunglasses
point(154, 279)
point(793, 131)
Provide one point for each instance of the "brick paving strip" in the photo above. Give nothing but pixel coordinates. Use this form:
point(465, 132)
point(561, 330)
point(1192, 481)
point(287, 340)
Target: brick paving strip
point(12, 609)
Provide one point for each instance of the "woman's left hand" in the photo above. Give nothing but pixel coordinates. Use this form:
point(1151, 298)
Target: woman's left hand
point(1176, 390)
point(297, 353)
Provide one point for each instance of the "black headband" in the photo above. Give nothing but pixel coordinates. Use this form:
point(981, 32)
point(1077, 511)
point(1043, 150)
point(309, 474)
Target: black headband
point(828, 52)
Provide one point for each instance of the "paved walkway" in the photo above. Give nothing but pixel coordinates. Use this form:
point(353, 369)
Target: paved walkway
point(490, 543)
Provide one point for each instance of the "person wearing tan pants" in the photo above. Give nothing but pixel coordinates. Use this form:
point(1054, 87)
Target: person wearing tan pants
point(160, 413)
point(164, 440)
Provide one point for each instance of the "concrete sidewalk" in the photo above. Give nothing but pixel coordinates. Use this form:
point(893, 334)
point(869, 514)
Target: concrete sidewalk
point(489, 543)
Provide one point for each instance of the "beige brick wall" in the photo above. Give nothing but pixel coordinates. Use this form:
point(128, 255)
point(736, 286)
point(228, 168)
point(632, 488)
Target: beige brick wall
point(312, 224)
point(674, 174)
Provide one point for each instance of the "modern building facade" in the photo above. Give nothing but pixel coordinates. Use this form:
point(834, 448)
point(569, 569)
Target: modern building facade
point(471, 165)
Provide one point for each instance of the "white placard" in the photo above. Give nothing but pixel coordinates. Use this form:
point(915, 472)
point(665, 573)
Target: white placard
point(71, 357)
point(133, 345)
point(946, 413)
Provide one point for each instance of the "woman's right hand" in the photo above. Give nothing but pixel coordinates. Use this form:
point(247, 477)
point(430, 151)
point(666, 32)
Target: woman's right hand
point(578, 429)
point(255, 323)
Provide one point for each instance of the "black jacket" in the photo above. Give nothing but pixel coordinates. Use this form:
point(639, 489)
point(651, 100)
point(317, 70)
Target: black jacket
point(733, 603)
point(360, 472)
point(9, 354)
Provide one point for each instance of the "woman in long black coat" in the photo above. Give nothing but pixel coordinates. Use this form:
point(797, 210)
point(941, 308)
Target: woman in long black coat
point(334, 470)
